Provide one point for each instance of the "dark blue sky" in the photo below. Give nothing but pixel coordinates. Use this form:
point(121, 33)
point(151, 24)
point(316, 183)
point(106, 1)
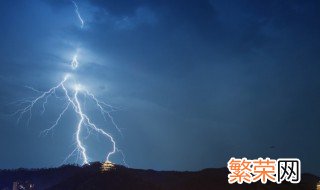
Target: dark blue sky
point(197, 81)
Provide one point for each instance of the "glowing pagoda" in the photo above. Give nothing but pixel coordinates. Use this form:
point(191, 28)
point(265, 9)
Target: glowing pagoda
point(107, 166)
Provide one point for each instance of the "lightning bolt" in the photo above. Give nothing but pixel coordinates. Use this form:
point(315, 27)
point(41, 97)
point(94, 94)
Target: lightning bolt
point(74, 62)
point(72, 92)
point(76, 9)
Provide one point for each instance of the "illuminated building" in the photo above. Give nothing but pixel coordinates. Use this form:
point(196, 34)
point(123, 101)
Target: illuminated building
point(107, 166)
point(26, 185)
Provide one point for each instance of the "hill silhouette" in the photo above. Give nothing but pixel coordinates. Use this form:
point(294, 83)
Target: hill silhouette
point(90, 177)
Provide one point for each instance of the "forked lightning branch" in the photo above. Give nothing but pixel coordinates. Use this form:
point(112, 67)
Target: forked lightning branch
point(71, 95)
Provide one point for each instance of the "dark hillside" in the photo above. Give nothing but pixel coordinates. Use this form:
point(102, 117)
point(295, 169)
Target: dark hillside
point(122, 178)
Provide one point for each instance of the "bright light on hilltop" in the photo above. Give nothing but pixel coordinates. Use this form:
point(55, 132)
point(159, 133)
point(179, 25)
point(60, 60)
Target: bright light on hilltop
point(107, 166)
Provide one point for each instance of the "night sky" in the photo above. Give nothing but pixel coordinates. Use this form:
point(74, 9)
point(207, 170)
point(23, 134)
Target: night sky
point(197, 82)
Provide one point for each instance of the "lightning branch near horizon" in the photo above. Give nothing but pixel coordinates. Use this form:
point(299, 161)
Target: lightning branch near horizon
point(71, 92)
